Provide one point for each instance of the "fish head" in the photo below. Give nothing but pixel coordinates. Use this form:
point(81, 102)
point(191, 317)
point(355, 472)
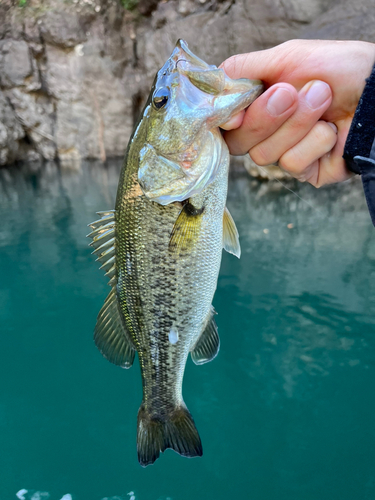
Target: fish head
point(189, 98)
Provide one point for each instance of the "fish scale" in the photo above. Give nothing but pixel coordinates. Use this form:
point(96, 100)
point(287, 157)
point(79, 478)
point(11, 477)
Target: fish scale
point(169, 227)
point(181, 289)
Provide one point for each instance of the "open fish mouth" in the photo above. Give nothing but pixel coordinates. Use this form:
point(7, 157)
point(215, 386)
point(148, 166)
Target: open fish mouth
point(190, 99)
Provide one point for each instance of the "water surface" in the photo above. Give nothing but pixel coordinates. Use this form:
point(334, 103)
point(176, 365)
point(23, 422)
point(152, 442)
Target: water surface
point(286, 411)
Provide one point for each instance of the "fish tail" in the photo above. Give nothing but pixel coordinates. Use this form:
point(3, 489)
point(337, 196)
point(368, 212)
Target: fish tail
point(175, 430)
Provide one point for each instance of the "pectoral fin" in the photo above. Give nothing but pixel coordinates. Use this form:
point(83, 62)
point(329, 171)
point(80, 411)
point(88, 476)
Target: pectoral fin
point(208, 345)
point(111, 336)
point(186, 229)
point(231, 242)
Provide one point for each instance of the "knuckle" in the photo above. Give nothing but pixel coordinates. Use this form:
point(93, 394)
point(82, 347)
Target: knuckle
point(235, 66)
point(256, 126)
point(292, 162)
point(323, 133)
point(256, 132)
point(260, 155)
point(229, 64)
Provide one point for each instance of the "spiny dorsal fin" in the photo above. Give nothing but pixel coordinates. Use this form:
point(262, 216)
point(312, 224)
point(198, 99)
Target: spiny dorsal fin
point(111, 336)
point(186, 229)
point(231, 242)
point(103, 241)
point(208, 345)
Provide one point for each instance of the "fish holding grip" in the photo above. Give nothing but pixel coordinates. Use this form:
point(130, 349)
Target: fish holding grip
point(176, 157)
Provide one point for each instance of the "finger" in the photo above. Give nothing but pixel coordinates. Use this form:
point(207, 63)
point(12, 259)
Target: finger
point(265, 115)
point(234, 122)
point(329, 169)
point(278, 64)
point(332, 166)
point(302, 160)
point(314, 98)
point(263, 63)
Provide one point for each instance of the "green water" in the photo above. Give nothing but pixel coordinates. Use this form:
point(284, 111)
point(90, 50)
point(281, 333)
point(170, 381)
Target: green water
point(285, 412)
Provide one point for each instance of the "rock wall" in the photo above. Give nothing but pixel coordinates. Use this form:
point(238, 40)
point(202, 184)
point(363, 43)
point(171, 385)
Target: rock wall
point(74, 75)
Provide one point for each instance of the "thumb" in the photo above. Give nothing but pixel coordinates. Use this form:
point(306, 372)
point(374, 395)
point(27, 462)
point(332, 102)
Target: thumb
point(260, 65)
point(278, 64)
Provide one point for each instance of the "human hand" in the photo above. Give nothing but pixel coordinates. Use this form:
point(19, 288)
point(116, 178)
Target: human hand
point(302, 120)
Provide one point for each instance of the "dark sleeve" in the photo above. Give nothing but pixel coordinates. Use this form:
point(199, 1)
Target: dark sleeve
point(359, 150)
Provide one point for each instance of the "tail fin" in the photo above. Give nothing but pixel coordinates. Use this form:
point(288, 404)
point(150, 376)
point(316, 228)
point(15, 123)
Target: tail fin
point(175, 430)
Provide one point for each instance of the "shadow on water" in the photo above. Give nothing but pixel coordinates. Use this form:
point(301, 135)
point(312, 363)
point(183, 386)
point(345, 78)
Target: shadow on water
point(285, 411)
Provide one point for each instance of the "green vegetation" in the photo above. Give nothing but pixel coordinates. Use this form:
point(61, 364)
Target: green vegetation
point(22, 3)
point(128, 4)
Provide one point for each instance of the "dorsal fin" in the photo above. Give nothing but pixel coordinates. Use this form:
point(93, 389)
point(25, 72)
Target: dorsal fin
point(208, 344)
point(103, 241)
point(111, 335)
point(231, 242)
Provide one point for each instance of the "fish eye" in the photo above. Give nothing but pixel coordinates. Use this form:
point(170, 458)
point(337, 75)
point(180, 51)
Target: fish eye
point(161, 97)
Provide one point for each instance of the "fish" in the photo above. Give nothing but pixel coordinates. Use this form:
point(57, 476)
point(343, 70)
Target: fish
point(161, 247)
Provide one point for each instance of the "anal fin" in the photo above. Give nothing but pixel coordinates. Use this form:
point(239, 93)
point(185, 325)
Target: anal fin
point(111, 336)
point(208, 344)
point(231, 242)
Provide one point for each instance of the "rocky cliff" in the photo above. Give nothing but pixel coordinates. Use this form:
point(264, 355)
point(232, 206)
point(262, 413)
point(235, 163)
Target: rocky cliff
point(74, 74)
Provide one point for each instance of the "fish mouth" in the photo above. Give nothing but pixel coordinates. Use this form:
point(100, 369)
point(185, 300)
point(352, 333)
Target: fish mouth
point(182, 53)
point(182, 60)
point(183, 150)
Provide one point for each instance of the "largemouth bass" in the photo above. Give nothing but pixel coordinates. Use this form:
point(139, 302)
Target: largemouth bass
point(162, 245)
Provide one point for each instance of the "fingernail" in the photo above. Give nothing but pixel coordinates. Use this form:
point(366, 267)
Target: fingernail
point(333, 126)
point(317, 94)
point(279, 102)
